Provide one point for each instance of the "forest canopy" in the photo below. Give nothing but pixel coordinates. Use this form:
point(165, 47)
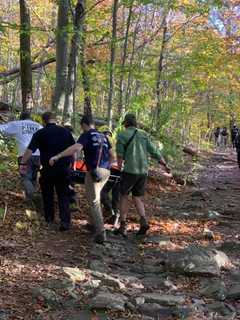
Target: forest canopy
point(174, 63)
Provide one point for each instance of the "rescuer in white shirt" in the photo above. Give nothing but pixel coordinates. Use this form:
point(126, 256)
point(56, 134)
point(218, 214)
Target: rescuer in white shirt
point(22, 130)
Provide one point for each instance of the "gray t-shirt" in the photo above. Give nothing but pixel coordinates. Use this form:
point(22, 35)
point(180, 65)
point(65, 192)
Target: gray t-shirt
point(22, 131)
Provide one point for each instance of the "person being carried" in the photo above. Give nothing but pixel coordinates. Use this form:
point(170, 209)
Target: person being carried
point(133, 149)
point(22, 130)
point(51, 140)
point(98, 157)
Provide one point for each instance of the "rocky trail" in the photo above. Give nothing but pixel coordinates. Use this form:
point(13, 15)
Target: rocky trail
point(188, 267)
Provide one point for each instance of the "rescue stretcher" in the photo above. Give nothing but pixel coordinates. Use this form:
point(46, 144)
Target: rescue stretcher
point(79, 169)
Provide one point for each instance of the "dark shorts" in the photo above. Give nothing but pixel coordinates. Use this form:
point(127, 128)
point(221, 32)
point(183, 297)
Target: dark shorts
point(133, 183)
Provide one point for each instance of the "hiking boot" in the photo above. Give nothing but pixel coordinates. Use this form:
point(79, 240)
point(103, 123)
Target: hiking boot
point(122, 230)
point(51, 225)
point(114, 219)
point(38, 203)
point(100, 238)
point(143, 230)
point(144, 227)
point(90, 228)
point(63, 228)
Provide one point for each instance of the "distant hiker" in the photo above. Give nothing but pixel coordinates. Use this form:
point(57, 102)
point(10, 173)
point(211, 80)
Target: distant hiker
point(98, 157)
point(22, 130)
point(133, 149)
point(237, 146)
point(224, 137)
point(51, 140)
point(217, 136)
point(234, 133)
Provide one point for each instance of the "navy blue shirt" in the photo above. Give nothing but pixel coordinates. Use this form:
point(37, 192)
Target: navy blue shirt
point(50, 141)
point(91, 142)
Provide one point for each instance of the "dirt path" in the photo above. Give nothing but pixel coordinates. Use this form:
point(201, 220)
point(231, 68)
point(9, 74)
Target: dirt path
point(174, 273)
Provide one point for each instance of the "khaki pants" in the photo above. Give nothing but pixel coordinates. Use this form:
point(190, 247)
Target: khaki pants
point(93, 194)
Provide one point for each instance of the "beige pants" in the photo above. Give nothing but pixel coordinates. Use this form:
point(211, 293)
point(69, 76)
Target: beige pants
point(93, 194)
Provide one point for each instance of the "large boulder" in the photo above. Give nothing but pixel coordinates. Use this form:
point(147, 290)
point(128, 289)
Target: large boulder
point(86, 315)
point(160, 312)
point(163, 299)
point(47, 296)
point(110, 301)
point(196, 260)
point(108, 280)
point(221, 310)
point(75, 274)
point(234, 292)
point(5, 315)
point(155, 310)
point(214, 289)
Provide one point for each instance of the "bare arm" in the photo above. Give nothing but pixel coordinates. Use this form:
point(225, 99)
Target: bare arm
point(120, 162)
point(23, 165)
point(77, 147)
point(111, 155)
point(163, 163)
point(26, 156)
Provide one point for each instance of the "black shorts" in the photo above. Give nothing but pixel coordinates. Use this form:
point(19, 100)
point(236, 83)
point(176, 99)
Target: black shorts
point(133, 183)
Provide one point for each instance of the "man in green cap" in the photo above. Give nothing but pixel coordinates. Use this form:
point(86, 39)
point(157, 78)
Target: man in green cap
point(133, 148)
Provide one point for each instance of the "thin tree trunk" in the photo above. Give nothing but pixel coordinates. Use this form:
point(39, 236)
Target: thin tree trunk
point(160, 69)
point(25, 56)
point(83, 66)
point(73, 61)
point(121, 107)
point(128, 88)
point(112, 62)
point(61, 55)
point(38, 91)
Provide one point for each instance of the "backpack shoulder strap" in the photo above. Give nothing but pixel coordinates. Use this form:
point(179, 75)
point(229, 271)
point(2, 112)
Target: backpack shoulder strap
point(129, 141)
point(100, 150)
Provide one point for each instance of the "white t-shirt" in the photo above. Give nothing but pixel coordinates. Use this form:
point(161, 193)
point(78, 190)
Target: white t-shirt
point(22, 131)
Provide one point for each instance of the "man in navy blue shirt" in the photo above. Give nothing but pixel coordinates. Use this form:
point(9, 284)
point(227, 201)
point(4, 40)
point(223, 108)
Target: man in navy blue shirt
point(98, 158)
point(50, 140)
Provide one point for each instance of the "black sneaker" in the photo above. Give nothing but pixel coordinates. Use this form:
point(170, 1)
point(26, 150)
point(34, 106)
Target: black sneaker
point(100, 238)
point(51, 225)
point(143, 230)
point(113, 220)
point(121, 231)
point(63, 228)
point(90, 228)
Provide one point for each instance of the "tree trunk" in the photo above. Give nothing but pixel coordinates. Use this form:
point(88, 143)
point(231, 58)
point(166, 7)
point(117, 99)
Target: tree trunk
point(112, 62)
point(121, 107)
point(160, 69)
point(83, 66)
point(128, 88)
point(61, 56)
point(73, 62)
point(25, 56)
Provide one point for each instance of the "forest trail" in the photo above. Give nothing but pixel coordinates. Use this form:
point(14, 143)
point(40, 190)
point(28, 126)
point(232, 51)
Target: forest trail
point(174, 273)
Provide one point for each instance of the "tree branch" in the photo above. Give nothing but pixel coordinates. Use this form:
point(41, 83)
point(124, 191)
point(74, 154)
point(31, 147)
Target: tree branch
point(15, 71)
